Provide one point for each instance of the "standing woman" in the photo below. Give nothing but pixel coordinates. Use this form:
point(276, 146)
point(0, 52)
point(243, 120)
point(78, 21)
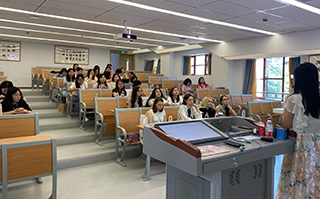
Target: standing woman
point(202, 84)
point(14, 103)
point(102, 82)
point(119, 91)
point(91, 78)
point(207, 106)
point(157, 114)
point(174, 98)
point(78, 84)
point(188, 110)
point(155, 93)
point(4, 87)
point(135, 101)
point(69, 78)
point(300, 173)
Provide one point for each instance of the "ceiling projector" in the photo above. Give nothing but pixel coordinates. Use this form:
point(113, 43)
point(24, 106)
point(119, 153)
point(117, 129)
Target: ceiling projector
point(125, 36)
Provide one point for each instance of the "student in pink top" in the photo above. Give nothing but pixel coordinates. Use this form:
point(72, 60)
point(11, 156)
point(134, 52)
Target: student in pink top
point(202, 84)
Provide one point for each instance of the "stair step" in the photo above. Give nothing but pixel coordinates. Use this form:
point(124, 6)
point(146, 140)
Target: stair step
point(90, 153)
point(58, 123)
point(49, 113)
point(37, 98)
point(30, 92)
point(42, 105)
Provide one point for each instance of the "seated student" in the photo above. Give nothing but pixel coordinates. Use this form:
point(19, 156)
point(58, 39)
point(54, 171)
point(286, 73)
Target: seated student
point(207, 106)
point(79, 71)
point(96, 70)
point(157, 114)
point(186, 87)
point(138, 83)
point(62, 73)
point(14, 103)
point(120, 90)
point(4, 87)
point(174, 98)
point(135, 100)
point(133, 78)
point(123, 74)
point(188, 110)
point(75, 68)
point(224, 107)
point(102, 82)
point(69, 78)
point(114, 79)
point(131, 74)
point(108, 72)
point(91, 78)
point(202, 84)
point(155, 93)
point(78, 84)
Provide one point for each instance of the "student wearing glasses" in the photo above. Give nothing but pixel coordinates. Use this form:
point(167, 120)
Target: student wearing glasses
point(225, 107)
point(207, 106)
point(14, 103)
point(119, 90)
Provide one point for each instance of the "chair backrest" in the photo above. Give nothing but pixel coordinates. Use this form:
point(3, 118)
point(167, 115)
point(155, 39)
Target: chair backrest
point(60, 82)
point(167, 84)
point(237, 99)
point(104, 105)
point(19, 125)
point(1, 73)
point(194, 86)
point(90, 85)
point(247, 98)
point(176, 82)
point(128, 118)
point(201, 93)
point(3, 78)
point(68, 86)
point(87, 96)
point(144, 86)
point(40, 68)
point(276, 104)
point(106, 93)
point(34, 72)
point(223, 91)
point(56, 68)
point(173, 110)
point(142, 78)
point(214, 93)
point(153, 80)
point(254, 108)
point(45, 74)
point(122, 102)
point(266, 108)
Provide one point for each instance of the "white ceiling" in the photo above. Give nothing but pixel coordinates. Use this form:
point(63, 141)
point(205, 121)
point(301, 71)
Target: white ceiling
point(281, 19)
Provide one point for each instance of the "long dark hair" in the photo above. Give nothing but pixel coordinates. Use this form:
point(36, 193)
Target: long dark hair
point(200, 79)
point(116, 74)
point(171, 95)
point(12, 91)
point(227, 109)
point(63, 70)
point(107, 74)
point(186, 81)
point(73, 67)
point(96, 67)
point(117, 88)
point(186, 97)
point(77, 78)
point(134, 97)
point(68, 76)
point(99, 83)
point(133, 78)
point(5, 84)
point(154, 107)
point(88, 75)
point(153, 95)
point(307, 84)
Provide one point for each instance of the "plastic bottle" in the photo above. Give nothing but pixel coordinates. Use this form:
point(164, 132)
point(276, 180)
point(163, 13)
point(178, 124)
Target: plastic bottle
point(261, 129)
point(122, 94)
point(206, 115)
point(0, 109)
point(243, 113)
point(170, 118)
point(269, 128)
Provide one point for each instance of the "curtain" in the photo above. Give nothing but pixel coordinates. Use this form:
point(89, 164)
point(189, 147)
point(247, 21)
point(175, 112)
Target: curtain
point(149, 65)
point(186, 63)
point(248, 79)
point(158, 68)
point(209, 64)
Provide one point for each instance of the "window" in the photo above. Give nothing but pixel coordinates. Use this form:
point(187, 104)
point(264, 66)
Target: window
point(199, 65)
point(272, 77)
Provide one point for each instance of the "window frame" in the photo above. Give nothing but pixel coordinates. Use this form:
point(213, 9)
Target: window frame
point(194, 64)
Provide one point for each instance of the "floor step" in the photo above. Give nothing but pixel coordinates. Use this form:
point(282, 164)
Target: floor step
point(37, 98)
point(49, 113)
point(90, 153)
point(30, 92)
point(42, 105)
point(58, 123)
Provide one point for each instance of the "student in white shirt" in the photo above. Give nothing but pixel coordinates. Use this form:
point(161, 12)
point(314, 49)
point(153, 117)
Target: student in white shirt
point(174, 98)
point(188, 110)
point(155, 93)
point(78, 84)
point(157, 114)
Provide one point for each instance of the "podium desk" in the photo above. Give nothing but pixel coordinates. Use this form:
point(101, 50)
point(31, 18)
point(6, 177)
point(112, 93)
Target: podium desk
point(237, 174)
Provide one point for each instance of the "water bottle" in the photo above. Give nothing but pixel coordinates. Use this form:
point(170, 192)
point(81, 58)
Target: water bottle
point(243, 114)
point(269, 128)
point(206, 115)
point(0, 109)
point(170, 118)
point(122, 94)
point(261, 129)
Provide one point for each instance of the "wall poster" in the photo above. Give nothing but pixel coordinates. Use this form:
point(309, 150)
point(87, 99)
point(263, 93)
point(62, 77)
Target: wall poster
point(71, 55)
point(10, 51)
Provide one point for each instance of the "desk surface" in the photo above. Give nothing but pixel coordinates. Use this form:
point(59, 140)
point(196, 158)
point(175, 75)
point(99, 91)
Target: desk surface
point(279, 111)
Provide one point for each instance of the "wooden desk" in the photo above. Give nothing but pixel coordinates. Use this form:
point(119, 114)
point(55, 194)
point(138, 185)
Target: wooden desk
point(279, 111)
point(140, 127)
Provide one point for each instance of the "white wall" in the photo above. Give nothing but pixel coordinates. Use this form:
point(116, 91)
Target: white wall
point(42, 54)
point(140, 58)
point(236, 74)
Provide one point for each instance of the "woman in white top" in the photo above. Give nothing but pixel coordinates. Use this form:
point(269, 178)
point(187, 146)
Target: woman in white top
point(300, 173)
point(102, 83)
point(188, 110)
point(135, 100)
point(157, 114)
point(155, 93)
point(78, 84)
point(91, 77)
point(174, 98)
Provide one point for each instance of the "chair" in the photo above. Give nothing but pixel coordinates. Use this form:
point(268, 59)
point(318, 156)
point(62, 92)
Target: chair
point(167, 84)
point(52, 84)
point(104, 118)
point(173, 110)
point(127, 120)
point(3, 78)
point(106, 93)
point(122, 102)
point(59, 87)
point(176, 82)
point(235, 107)
point(201, 93)
point(142, 78)
point(214, 93)
point(255, 110)
point(268, 110)
point(145, 86)
point(247, 98)
point(276, 105)
point(86, 102)
point(223, 91)
point(69, 100)
point(45, 80)
point(33, 77)
point(153, 80)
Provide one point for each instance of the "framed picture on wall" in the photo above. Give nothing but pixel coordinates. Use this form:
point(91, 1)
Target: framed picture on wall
point(315, 59)
point(10, 51)
point(71, 55)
